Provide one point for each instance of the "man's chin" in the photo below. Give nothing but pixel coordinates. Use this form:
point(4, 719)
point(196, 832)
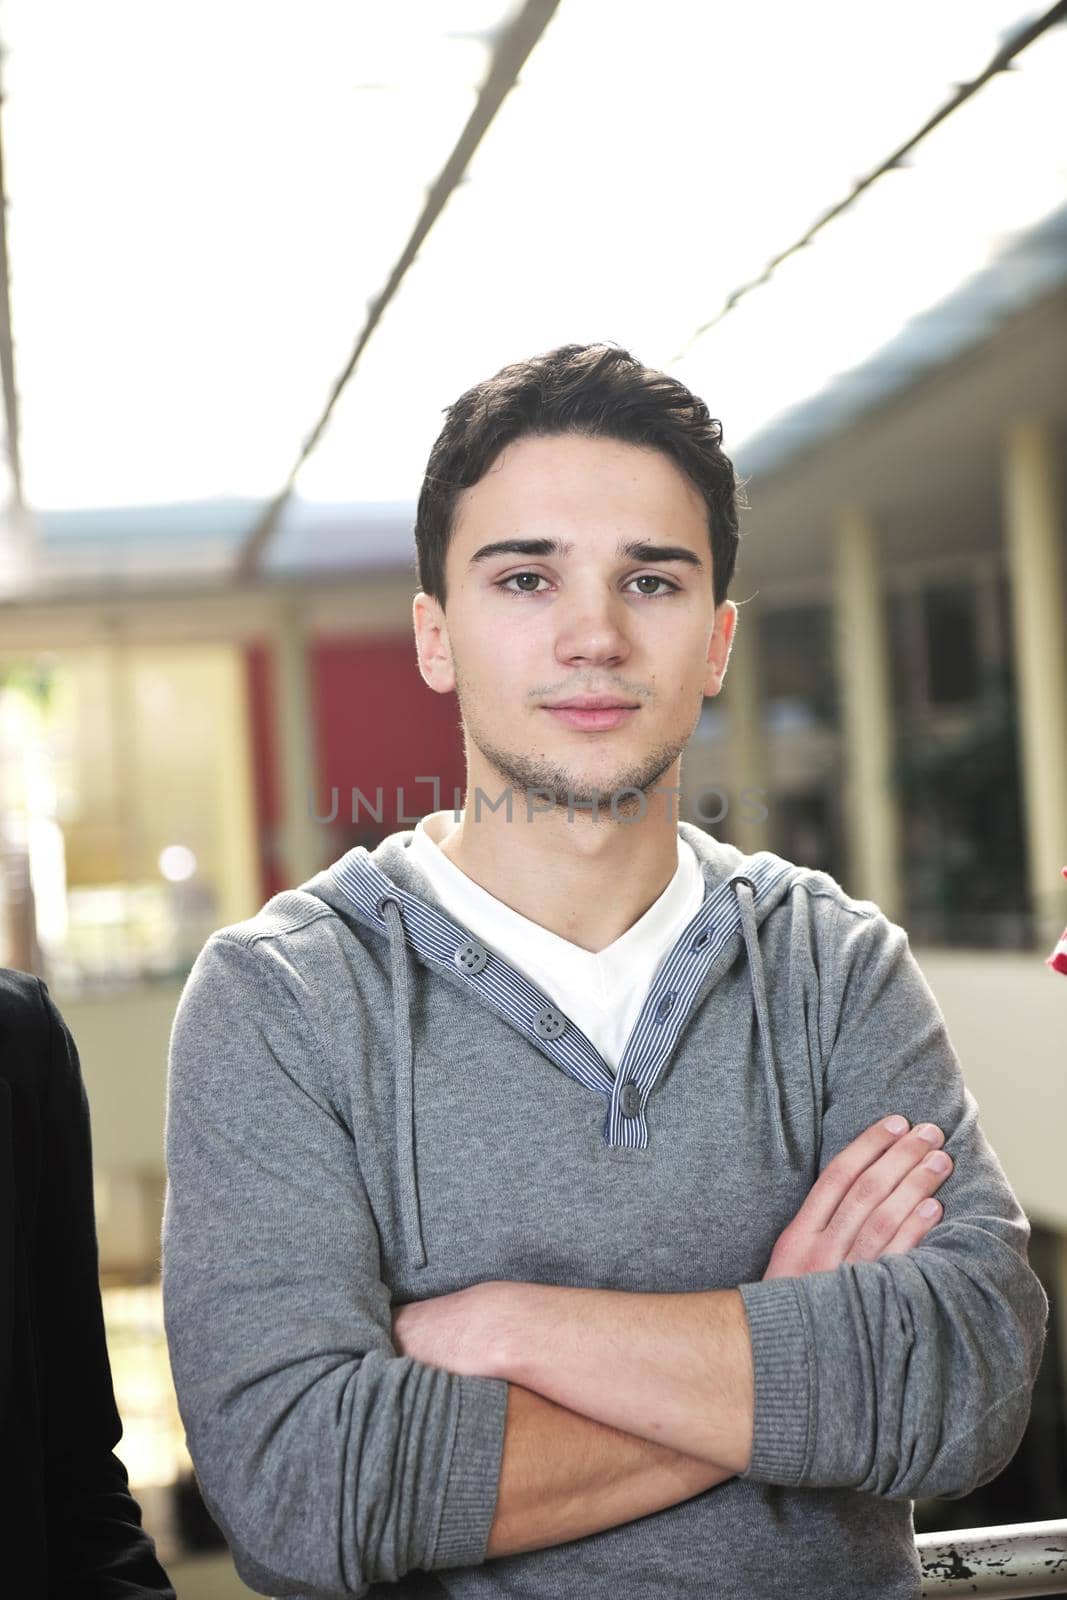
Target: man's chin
point(579, 798)
point(581, 788)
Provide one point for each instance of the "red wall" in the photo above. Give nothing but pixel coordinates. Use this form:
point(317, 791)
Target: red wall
point(377, 725)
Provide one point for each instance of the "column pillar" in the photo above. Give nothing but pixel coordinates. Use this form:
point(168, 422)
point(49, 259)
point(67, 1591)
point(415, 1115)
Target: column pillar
point(862, 651)
point(303, 845)
point(122, 733)
point(1034, 529)
point(743, 703)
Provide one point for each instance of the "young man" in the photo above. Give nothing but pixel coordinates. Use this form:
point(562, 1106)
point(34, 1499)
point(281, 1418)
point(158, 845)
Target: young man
point(533, 1217)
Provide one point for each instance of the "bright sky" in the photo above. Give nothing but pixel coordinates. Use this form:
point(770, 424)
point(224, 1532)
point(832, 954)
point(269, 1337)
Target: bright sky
point(202, 199)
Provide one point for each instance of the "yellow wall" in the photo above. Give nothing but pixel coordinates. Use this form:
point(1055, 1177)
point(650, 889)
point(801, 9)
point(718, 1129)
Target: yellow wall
point(154, 748)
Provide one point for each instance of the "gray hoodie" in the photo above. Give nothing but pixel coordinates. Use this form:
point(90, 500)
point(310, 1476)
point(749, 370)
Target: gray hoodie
point(368, 1107)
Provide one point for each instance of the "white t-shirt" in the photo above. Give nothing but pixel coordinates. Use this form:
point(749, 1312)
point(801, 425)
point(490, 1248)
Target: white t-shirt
point(603, 992)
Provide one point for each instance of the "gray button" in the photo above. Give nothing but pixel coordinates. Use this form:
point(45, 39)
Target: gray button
point(550, 1023)
point(630, 1100)
point(471, 957)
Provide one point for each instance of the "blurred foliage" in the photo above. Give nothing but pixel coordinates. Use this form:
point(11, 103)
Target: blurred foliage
point(35, 679)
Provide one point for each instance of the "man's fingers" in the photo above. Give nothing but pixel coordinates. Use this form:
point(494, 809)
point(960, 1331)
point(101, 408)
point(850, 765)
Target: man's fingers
point(882, 1197)
point(875, 1231)
point(914, 1228)
point(865, 1203)
point(832, 1185)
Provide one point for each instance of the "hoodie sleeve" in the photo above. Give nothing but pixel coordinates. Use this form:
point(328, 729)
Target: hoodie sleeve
point(910, 1376)
point(329, 1462)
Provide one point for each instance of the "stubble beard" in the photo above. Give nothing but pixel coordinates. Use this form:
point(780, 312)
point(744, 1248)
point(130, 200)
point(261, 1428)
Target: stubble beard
point(544, 780)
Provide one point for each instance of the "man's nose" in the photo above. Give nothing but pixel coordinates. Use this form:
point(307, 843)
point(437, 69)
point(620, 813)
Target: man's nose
point(592, 626)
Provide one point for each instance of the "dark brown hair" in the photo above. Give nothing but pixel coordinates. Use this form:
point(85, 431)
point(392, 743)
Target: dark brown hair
point(598, 390)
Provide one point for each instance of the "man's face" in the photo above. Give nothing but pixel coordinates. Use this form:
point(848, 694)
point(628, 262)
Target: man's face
point(591, 619)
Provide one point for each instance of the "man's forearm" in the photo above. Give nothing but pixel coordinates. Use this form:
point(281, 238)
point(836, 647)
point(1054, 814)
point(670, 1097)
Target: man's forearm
point(675, 1369)
point(564, 1476)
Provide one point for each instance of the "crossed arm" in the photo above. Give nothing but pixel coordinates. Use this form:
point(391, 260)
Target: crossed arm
point(622, 1404)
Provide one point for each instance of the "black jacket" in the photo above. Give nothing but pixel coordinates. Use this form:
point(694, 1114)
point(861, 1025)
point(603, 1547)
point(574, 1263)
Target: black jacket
point(68, 1523)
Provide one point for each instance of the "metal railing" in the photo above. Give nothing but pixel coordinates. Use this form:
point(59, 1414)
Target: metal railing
point(1018, 1559)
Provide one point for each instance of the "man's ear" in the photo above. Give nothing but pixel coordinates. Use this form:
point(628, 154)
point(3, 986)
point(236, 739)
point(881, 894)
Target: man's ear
point(719, 646)
point(432, 644)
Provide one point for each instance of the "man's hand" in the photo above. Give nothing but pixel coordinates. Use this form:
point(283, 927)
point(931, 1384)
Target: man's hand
point(866, 1203)
point(454, 1331)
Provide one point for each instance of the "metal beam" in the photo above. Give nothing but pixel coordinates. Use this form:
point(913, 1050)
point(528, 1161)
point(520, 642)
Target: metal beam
point(1001, 61)
point(190, 611)
point(1003, 1563)
point(509, 56)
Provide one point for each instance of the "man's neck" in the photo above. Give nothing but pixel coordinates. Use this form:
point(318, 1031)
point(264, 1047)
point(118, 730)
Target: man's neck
point(588, 887)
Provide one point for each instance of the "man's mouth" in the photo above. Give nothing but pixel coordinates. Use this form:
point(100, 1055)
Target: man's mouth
point(593, 718)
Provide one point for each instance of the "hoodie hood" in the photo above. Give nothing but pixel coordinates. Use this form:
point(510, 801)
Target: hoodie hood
point(383, 891)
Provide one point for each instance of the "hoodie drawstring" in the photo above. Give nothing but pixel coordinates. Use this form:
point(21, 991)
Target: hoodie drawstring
point(410, 1219)
point(745, 892)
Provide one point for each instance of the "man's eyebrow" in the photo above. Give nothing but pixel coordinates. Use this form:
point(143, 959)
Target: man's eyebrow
point(632, 549)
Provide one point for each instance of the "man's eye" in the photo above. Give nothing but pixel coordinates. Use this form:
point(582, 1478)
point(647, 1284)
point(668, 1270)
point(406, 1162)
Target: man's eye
point(654, 577)
point(644, 577)
point(503, 584)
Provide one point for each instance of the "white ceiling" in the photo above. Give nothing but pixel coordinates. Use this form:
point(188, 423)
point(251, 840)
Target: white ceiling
point(203, 199)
